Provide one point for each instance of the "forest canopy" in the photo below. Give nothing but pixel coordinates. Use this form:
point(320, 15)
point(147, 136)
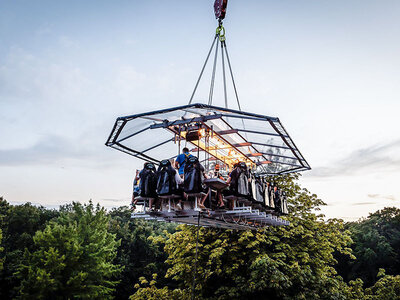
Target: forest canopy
point(84, 251)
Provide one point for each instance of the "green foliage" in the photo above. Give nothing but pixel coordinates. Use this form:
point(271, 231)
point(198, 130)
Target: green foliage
point(138, 252)
point(78, 252)
point(19, 224)
point(149, 291)
point(293, 262)
point(376, 244)
point(1, 249)
point(386, 288)
point(72, 257)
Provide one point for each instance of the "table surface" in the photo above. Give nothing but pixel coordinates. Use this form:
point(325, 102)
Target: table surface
point(216, 183)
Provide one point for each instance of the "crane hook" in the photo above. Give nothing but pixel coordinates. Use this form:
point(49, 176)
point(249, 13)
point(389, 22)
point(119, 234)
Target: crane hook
point(220, 9)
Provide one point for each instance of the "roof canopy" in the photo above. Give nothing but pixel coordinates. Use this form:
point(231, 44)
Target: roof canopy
point(222, 134)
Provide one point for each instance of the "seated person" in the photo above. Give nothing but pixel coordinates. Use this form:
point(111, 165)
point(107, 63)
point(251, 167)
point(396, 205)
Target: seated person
point(147, 185)
point(232, 179)
point(238, 182)
point(267, 194)
point(277, 199)
point(259, 188)
point(181, 160)
point(219, 196)
point(194, 174)
point(179, 187)
point(135, 189)
point(168, 180)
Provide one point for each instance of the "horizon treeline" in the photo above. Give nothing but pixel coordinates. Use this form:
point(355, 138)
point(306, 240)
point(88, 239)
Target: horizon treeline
point(83, 251)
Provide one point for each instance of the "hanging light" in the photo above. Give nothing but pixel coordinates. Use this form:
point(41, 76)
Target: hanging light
point(193, 135)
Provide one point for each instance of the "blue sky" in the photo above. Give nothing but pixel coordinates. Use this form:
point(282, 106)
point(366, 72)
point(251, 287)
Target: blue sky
point(330, 70)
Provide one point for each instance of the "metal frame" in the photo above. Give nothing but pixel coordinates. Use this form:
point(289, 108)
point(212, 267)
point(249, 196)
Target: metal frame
point(286, 163)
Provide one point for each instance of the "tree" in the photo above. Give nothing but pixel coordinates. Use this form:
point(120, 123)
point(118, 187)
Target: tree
point(1, 249)
point(376, 243)
point(19, 224)
point(293, 262)
point(386, 288)
point(137, 253)
point(149, 291)
point(72, 257)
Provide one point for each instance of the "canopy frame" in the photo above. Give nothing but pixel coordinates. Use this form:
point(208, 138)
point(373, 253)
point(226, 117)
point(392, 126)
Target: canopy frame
point(269, 149)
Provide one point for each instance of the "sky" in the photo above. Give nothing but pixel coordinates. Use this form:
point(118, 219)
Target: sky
point(330, 70)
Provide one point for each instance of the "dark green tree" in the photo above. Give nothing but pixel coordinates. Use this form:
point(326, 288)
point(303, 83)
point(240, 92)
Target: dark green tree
point(1, 249)
point(137, 253)
point(376, 245)
point(292, 262)
point(72, 257)
point(19, 224)
point(386, 288)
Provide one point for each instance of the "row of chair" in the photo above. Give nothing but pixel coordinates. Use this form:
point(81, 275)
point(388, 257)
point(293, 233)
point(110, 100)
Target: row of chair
point(160, 189)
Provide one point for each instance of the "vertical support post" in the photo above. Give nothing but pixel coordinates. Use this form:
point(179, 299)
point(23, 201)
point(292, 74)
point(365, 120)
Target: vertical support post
point(195, 259)
point(209, 197)
point(179, 141)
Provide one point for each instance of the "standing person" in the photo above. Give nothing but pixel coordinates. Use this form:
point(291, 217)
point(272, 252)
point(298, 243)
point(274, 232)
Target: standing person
point(181, 160)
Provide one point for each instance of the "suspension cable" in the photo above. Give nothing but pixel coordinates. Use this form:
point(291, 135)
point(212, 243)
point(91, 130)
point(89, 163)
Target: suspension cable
point(219, 37)
point(233, 79)
point(213, 74)
point(234, 84)
point(223, 73)
point(202, 70)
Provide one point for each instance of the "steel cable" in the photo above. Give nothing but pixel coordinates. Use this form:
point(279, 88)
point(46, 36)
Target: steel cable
point(202, 70)
point(213, 74)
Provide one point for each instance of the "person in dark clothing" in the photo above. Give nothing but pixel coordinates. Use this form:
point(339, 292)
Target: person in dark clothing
point(233, 175)
point(277, 199)
point(194, 174)
point(239, 180)
point(219, 193)
point(233, 182)
point(147, 184)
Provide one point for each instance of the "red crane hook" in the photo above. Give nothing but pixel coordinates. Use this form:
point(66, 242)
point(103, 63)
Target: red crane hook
point(220, 9)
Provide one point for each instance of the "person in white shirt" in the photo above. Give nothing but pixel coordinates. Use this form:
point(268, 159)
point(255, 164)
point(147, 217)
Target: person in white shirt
point(179, 182)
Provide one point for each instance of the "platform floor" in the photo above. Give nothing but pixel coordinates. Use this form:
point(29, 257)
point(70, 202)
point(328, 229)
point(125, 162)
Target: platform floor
point(240, 218)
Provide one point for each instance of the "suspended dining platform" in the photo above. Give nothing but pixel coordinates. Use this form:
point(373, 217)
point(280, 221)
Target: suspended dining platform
point(221, 139)
point(217, 136)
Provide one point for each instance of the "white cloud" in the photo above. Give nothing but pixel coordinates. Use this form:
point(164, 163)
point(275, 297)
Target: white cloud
point(373, 159)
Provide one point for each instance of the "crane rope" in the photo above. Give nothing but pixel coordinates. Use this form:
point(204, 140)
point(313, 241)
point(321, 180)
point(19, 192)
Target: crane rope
point(202, 70)
point(218, 38)
point(213, 74)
